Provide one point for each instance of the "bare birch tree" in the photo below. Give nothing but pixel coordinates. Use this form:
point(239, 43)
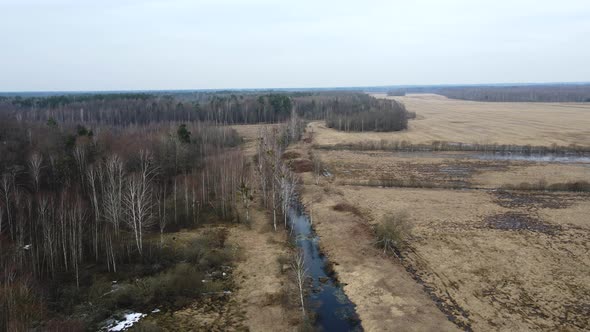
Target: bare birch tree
point(35, 164)
point(138, 198)
point(300, 270)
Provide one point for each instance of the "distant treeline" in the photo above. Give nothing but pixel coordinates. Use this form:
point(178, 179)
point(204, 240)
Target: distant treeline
point(350, 111)
point(517, 93)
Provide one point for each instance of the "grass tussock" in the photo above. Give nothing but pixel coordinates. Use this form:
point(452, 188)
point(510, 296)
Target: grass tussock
point(345, 207)
point(393, 233)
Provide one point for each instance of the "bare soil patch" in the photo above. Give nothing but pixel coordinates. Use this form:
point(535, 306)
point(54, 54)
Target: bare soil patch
point(535, 200)
point(513, 221)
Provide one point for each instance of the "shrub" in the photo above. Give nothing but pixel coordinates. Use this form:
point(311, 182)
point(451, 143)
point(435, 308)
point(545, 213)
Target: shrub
point(129, 296)
point(64, 326)
point(393, 232)
point(181, 281)
point(301, 165)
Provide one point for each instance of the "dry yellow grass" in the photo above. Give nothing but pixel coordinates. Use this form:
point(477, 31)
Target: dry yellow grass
point(507, 280)
point(442, 119)
point(259, 277)
point(532, 275)
point(385, 295)
point(550, 173)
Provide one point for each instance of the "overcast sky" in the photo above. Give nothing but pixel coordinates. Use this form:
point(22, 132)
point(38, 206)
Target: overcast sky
point(200, 44)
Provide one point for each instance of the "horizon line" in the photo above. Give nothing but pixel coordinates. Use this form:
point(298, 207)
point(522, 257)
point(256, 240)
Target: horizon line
point(326, 88)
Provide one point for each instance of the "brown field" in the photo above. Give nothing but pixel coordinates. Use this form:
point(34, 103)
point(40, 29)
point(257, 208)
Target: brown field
point(487, 259)
point(493, 277)
point(442, 119)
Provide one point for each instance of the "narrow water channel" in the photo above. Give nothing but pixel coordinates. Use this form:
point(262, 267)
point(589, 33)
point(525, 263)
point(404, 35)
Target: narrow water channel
point(334, 311)
point(547, 157)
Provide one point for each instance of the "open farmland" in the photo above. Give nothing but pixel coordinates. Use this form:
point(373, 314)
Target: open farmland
point(491, 253)
point(442, 119)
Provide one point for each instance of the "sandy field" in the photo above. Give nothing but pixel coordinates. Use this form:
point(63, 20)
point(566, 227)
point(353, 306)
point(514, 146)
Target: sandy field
point(442, 119)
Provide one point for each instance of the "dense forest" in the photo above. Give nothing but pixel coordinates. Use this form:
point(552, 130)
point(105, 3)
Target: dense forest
point(91, 186)
point(517, 93)
point(75, 203)
point(348, 111)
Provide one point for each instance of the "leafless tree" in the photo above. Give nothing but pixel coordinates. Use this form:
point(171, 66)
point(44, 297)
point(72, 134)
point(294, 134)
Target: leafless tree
point(300, 271)
point(160, 196)
point(93, 175)
point(138, 198)
point(287, 186)
point(80, 157)
point(35, 164)
point(246, 195)
point(113, 190)
point(1, 218)
point(8, 186)
point(44, 206)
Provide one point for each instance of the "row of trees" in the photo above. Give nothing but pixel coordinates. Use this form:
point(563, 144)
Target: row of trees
point(277, 182)
point(278, 186)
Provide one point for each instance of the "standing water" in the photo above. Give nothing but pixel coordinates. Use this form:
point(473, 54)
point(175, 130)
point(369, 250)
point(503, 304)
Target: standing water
point(333, 309)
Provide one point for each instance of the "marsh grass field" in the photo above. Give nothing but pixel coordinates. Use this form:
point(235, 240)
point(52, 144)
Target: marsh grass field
point(481, 256)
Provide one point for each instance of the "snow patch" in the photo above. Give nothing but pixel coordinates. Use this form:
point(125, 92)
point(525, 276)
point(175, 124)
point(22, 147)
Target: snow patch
point(126, 323)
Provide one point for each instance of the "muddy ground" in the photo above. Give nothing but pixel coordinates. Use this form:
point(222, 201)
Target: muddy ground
point(442, 170)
